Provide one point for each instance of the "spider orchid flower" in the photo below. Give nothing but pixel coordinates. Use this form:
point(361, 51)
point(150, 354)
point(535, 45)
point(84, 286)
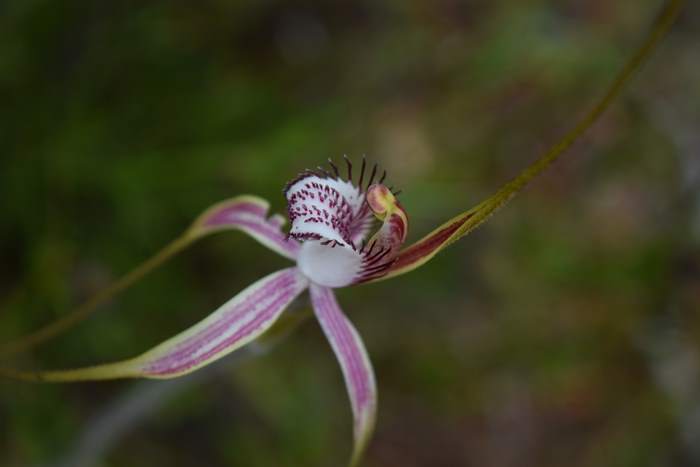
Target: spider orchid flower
point(331, 241)
point(333, 244)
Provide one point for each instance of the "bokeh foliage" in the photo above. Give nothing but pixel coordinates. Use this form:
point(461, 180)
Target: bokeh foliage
point(563, 332)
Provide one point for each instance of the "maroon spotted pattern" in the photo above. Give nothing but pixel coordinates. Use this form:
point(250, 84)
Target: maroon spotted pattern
point(319, 203)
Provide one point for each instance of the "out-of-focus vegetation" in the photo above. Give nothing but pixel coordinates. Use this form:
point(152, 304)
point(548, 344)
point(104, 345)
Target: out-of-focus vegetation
point(564, 332)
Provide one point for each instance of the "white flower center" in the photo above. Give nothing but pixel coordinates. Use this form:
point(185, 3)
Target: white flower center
point(330, 267)
point(332, 218)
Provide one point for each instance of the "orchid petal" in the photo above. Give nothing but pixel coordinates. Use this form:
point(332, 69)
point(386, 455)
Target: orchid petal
point(354, 362)
point(236, 323)
point(426, 248)
point(246, 213)
point(387, 208)
point(388, 239)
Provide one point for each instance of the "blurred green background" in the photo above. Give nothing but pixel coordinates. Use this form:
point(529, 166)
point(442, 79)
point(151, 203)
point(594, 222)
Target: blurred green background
point(564, 332)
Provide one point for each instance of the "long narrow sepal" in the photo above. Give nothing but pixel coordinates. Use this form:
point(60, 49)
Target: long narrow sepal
point(425, 249)
point(245, 213)
point(354, 362)
point(236, 323)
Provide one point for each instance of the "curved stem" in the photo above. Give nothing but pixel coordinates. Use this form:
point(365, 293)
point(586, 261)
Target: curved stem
point(502, 196)
point(426, 248)
point(89, 307)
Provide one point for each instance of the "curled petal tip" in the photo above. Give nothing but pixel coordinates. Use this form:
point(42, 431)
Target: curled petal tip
point(380, 200)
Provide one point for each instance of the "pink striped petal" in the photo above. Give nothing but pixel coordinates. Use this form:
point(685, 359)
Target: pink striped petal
point(426, 248)
point(354, 362)
point(248, 214)
point(388, 239)
point(236, 323)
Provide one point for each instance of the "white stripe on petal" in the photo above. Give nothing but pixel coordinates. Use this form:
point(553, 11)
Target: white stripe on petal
point(248, 214)
point(354, 362)
point(236, 323)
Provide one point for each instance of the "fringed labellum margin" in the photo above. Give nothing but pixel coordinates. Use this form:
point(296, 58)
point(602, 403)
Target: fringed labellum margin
point(333, 217)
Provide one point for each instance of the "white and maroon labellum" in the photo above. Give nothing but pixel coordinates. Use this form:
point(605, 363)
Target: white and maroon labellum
point(333, 217)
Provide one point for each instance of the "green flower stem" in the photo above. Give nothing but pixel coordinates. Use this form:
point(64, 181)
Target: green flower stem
point(485, 209)
point(425, 249)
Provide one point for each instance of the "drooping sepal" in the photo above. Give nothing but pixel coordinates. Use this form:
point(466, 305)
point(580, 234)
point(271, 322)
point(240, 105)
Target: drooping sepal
point(236, 323)
point(354, 363)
